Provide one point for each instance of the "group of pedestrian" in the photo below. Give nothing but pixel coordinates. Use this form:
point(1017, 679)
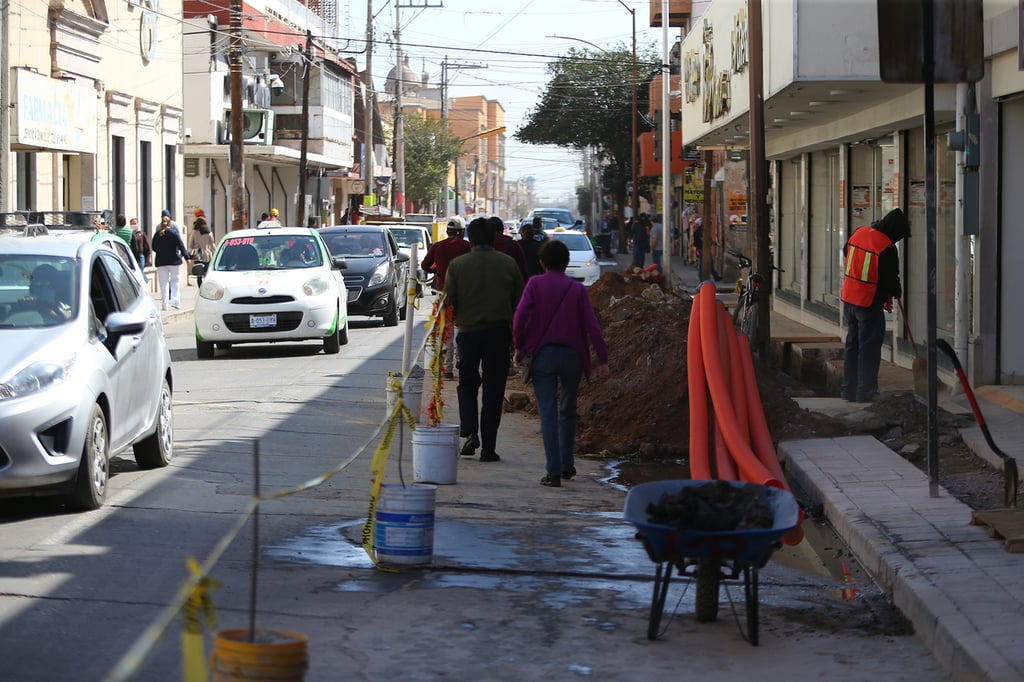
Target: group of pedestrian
point(506, 311)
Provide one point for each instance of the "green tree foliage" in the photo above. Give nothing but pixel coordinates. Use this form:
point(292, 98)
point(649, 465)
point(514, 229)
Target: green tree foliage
point(588, 103)
point(430, 147)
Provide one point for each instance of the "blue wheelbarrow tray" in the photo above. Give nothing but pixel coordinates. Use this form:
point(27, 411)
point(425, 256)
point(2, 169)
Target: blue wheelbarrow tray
point(670, 543)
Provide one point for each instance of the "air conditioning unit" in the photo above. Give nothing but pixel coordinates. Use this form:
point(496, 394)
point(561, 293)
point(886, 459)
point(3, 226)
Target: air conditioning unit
point(257, 126)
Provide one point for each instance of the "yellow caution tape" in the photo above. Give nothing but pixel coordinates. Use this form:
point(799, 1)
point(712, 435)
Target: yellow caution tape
point(198, 608)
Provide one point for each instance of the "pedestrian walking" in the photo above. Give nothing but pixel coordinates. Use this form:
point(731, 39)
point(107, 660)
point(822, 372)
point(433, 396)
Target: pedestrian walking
point(640, 238)
point(555, 325)
point(200, 247)
point(483, 287)
point(145, 248)
point(505, 244)
point(870, 282)
point(657, 240)
point(168, 254)
point(440, 254)
point(531, 238)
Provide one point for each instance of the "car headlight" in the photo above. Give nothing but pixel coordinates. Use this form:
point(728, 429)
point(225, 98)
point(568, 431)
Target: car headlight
point(37, 377)
point(211, 290)
point(316, 286)
point(380, 273)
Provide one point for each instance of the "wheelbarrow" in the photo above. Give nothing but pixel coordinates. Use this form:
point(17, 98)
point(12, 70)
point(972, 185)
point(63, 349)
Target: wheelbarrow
point(707, 557)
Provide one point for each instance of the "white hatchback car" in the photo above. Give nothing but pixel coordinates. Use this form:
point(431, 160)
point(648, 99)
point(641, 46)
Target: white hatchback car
point(583, 264)
point(271, 284)
point(85, 370)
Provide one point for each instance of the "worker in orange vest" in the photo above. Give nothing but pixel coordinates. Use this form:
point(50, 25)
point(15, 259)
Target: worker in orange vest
point(871, 280)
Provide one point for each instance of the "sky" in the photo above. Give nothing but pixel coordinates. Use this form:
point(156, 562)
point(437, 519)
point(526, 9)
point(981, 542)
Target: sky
point(514, 40)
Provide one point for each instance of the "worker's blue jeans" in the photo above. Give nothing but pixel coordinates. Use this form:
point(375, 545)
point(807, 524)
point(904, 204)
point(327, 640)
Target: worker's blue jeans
point(865, 331)
point(554, 365)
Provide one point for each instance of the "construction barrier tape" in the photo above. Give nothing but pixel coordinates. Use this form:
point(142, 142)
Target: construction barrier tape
point(192, 599)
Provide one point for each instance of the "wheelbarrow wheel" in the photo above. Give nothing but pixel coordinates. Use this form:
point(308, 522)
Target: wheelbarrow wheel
point(709, 576)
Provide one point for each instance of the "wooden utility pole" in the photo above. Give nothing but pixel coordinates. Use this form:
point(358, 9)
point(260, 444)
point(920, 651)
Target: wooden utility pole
point(758, 200)
point(237, 175)
point(300, 194)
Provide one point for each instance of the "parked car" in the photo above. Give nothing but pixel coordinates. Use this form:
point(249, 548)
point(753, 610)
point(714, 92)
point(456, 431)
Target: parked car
point(271, 284)
point(583, 264)
point(85, 371)
point(83, 233)
point(376, 270)
point(562, 215)
point(408, 234)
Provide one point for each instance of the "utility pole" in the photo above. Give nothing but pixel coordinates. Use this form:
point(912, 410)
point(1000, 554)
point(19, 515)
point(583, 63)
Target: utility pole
point(758, 215)
point(398, 198)
point(666, 147)
point(300, 198)
point(237, 175)
point(444, 117)
point(370, 105)
point(634, 198)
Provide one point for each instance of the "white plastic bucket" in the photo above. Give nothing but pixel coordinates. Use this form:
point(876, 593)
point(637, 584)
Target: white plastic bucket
point(403, 524)
point(412, 394)
point(435, 453)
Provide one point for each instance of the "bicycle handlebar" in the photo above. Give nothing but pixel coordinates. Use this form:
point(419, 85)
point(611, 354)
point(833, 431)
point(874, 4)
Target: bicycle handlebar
point(746, 262)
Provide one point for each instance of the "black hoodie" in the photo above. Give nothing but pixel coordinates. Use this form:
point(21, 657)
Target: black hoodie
point(895, 226)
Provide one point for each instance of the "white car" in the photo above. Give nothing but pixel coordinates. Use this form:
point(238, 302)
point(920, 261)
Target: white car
point(88, 233)
point(271, 284)
point(85, 370)
point(407, 235)
point(583, 264)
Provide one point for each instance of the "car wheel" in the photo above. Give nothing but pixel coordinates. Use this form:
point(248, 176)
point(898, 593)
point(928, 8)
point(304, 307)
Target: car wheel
point(204, 349)
point(94, 468)
point(391, 315)
point(156, 450)
point(332, 343)
point(343, 333)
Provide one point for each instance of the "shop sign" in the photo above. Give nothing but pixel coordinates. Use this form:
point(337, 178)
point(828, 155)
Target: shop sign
point(53, 114)
point(717, 86)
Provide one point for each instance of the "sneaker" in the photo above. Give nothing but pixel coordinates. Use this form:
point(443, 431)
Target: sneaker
point(489, 457)
point(470, 446)
point(569, 473)
point(551, 481)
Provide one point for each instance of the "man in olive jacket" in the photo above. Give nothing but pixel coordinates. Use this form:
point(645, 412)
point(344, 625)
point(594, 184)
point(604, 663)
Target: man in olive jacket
point(483, 287)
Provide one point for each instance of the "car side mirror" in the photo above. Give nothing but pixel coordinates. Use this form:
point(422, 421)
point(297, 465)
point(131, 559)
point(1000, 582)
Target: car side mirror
point(199, 269)
point(401, 257)
point(339, 263)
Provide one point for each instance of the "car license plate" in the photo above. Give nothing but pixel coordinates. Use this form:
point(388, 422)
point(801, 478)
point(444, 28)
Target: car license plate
point(262, 321)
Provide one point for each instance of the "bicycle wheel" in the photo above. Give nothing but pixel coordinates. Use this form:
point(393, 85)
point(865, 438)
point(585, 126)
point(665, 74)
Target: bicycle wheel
point(737, 312)
point(749, 324)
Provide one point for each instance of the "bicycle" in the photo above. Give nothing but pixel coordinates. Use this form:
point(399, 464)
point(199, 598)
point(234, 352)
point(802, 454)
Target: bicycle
point(744, 315)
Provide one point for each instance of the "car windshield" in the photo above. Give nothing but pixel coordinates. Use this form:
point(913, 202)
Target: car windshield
point(574, 240)
point(356, 244)
point(563, 217)
point(407, 236)
point(37, 290)
point(268, 252)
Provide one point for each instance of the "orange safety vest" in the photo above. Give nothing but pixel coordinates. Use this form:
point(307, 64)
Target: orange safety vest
point(862, 255)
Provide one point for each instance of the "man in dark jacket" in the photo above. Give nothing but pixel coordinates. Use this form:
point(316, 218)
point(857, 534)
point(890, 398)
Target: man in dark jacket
point(871, 280)
point(505, 244)
point(484, 287)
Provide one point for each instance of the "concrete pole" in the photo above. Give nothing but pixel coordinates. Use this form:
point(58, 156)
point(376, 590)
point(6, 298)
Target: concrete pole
point(369, 105)
point(757, 217)
point(666, 146)
point(398, 201)
point(237, 149)
point(961, 318)
point(445, 211)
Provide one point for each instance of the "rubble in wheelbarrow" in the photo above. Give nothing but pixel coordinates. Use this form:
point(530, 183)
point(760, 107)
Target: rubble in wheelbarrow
point(715, 506)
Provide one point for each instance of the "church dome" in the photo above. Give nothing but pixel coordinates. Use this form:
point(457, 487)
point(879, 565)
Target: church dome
point(409, 78)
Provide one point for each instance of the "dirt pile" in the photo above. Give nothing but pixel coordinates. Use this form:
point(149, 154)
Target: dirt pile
point(642, 411)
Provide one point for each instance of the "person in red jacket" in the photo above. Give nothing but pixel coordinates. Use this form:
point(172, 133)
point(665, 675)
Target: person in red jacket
point(505, 244)
point(439, 255)
point(871, 280)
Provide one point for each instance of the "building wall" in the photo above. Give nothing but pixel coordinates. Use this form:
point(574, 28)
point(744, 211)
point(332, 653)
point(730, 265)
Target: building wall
point(125, 85)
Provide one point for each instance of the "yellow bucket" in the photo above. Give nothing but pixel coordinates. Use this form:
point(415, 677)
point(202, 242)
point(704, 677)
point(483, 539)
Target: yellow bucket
point(277, 655)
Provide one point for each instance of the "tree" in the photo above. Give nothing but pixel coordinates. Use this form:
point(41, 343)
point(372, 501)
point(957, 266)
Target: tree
point(430, 149)
point(588, 103)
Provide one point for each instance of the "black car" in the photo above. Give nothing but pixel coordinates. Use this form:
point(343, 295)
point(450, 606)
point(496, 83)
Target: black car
point(376, 270)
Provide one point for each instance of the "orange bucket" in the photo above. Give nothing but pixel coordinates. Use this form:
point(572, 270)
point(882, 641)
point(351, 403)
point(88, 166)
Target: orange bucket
point(276, 655)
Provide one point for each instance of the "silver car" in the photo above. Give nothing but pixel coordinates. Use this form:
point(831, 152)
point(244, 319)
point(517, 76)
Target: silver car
point(85, 371)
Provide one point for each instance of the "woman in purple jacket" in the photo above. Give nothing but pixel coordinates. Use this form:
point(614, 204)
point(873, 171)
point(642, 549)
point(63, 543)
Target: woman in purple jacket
point(556, 325)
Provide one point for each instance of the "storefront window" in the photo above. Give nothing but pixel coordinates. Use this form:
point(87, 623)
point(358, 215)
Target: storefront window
point(822, 226)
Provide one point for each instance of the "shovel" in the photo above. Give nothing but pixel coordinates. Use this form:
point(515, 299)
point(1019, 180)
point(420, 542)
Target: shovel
point(920, 365)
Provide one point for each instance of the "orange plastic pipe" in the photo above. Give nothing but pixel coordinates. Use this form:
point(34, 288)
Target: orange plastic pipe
point(728, 468)
point(700, 468)
point(724, 462)
point(760, 436)
point(749, 465)
point(737, 379)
